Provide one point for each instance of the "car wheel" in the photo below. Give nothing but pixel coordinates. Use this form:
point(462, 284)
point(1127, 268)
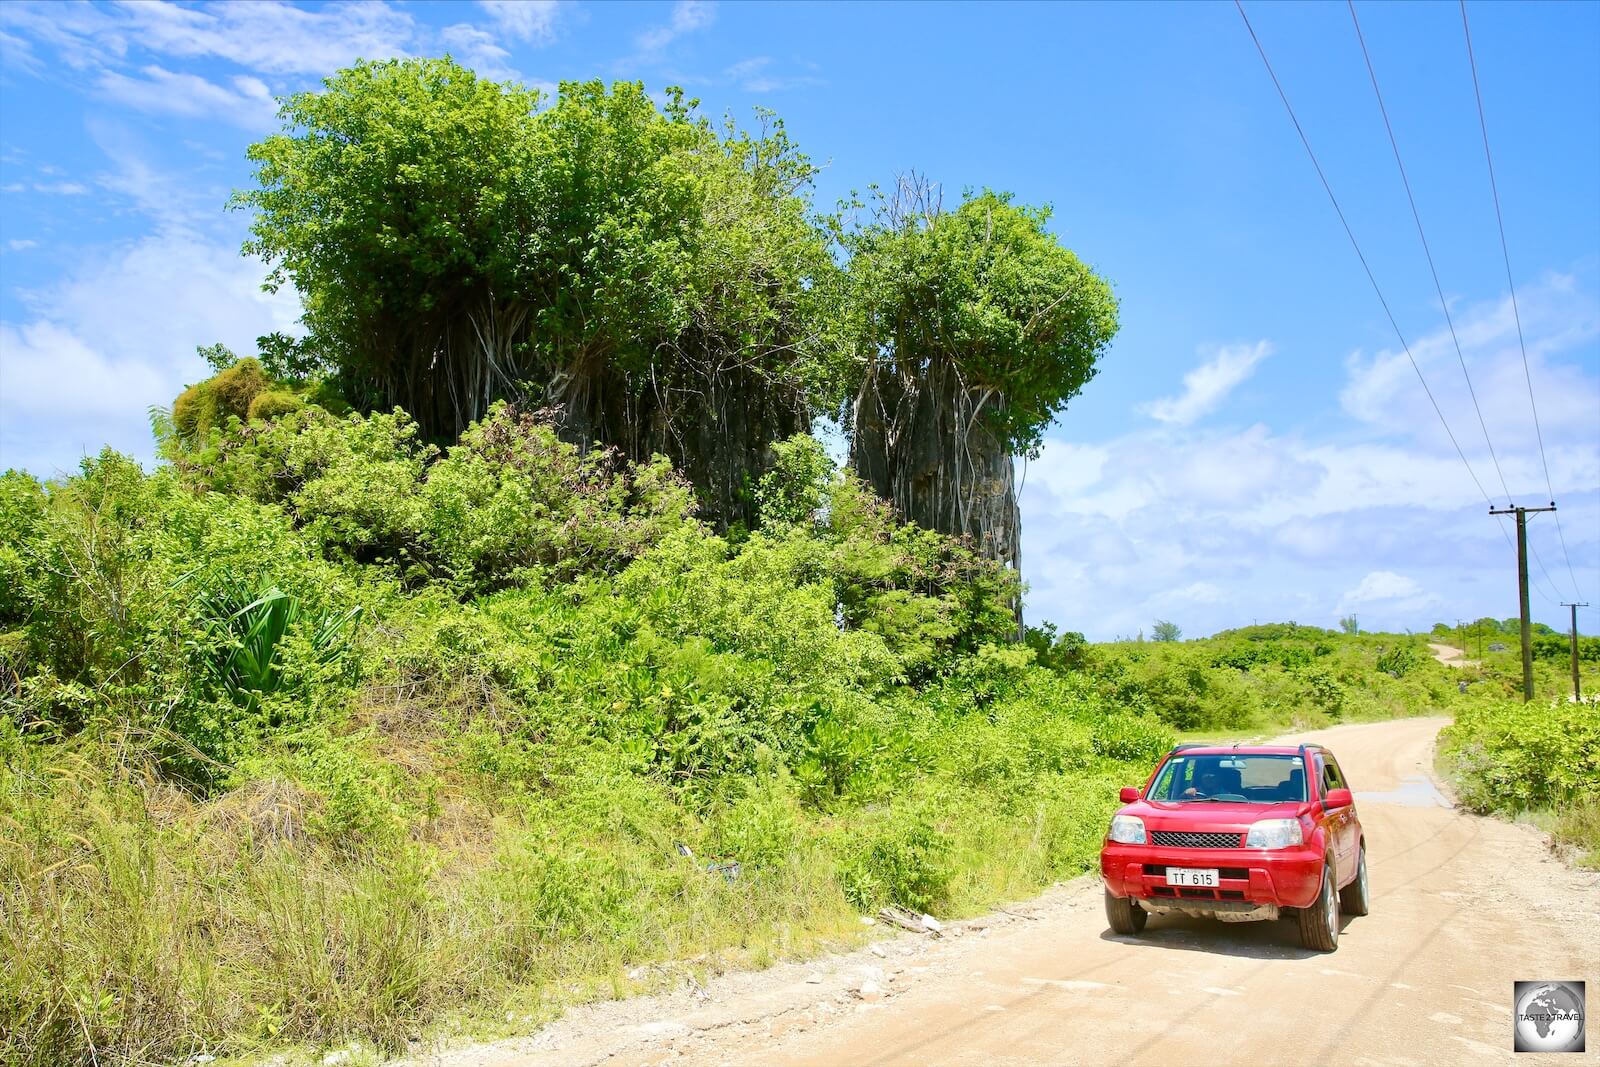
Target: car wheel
point(1319, 924)
point(1353, 899)
point(1123, 914)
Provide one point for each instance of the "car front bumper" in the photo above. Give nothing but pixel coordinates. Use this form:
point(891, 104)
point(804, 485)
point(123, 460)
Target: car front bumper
point(1286, 878)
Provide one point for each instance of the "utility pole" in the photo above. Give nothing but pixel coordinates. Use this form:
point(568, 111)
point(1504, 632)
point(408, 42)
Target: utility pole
point(1522, 591)
point(1461, 635)
point(1577, 693)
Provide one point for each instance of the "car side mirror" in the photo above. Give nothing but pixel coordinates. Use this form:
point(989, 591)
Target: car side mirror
point(1129, 794)
point(1337, 798)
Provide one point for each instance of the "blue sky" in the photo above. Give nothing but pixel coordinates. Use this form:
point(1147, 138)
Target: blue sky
point(1255, 446)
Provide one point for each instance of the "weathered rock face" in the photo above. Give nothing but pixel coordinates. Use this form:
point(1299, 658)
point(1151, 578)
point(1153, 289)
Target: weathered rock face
point(923, 445)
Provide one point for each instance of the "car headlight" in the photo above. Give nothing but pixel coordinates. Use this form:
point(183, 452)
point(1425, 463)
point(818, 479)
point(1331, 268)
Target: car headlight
point(1127, 829)
point(1274, 833)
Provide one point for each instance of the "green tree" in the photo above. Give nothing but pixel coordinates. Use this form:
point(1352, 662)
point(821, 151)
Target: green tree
point(971, 330)
point(401, 202)
point(660, 284)
point(1349, 625)
point(1163, 630)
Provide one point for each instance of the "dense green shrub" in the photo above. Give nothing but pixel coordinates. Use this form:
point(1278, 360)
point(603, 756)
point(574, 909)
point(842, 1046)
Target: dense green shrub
point(1512, 756)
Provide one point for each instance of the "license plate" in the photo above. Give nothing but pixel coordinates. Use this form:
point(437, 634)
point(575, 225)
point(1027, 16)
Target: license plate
point(1192, 876)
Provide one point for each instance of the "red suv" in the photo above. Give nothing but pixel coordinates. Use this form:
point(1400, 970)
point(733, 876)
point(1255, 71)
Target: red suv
point(1239, 833)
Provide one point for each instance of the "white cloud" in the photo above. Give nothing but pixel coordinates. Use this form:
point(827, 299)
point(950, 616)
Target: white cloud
point(525, 20)
point(1290, 520)
point(249, 103)
point(1395, 591)
point(175, 200)
point(479, 50)
point(1557, 315)
point(99, 348)
point(61, 188)
point(21, 244)
point(1208, 384)
point(266, 35)
point(687, 16)
point(754, 75)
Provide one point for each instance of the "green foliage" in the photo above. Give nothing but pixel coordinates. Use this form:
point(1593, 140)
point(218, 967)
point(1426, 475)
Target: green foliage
point(1399, 660)
point(1556, 648)
point(1511, 756)
point(1271, 674)
point(272, 403)
point(1163, 630)
point(512, 499)
point(902, 860)
point(985, 291)
point(796, 488)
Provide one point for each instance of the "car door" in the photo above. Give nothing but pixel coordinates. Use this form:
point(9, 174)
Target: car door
point(1336, 821)
point(1349, 825)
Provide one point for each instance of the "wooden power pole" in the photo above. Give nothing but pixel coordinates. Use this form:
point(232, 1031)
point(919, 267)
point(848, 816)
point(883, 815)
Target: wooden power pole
point(1577, 691)
point(1522, 591)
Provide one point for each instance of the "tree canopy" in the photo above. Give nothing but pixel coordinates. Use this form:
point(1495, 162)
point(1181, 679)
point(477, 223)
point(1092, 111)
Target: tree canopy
point(972, 329)
point(661, 284)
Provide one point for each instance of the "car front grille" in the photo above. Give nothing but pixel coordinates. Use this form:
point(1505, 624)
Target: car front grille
point(1191, 839)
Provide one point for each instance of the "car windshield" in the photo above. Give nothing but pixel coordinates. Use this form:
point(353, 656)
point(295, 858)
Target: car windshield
point(1232, 777)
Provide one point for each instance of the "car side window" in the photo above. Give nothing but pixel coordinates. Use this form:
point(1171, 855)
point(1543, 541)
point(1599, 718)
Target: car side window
point(1324, 778)
point(1335, 777)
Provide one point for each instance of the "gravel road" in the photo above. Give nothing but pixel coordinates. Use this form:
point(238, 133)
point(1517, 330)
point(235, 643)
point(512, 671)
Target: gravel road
point(1462, 906)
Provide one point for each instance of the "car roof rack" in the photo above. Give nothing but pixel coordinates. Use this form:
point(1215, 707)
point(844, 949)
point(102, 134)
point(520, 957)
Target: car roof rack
point(1180, 746)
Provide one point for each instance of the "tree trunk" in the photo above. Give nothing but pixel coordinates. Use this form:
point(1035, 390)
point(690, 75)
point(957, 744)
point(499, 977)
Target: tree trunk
point(922, 443)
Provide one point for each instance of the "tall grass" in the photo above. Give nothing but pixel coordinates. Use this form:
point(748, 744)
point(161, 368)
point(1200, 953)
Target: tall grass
point(142, 925)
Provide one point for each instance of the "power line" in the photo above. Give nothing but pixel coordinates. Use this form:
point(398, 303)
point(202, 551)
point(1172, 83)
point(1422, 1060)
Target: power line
point(1505, 255)
point(1444, 305)
point(1304, 140)
point(1359, 255)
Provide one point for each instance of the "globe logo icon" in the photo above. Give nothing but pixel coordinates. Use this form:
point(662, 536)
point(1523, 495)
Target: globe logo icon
point(1549, 1017)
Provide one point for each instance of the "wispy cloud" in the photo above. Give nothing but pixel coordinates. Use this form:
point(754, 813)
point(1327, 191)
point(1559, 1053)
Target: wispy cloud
point(755, 75)
point(61, 188)
point(265, 36)
point(249, 103)
point(532, 21)
point(1208, 384)
point(478, 49)
point(21, 244)
point(687, 16)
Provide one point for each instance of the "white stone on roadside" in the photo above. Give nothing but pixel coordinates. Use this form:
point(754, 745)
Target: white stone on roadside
point(867, 920)
point(931, 924)
point(814, 978)
point(333, 1059)
point(870, 992)
point(877, 950)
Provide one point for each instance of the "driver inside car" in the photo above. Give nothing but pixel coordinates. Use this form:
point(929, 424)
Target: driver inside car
point(1209, 783)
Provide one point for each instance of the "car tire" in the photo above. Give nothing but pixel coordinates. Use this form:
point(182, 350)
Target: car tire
point(1124, 915)
point(1319, 924)
point(1354, 898)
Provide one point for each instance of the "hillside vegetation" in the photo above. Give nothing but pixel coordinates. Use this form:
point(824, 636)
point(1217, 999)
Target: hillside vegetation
point(322, 732)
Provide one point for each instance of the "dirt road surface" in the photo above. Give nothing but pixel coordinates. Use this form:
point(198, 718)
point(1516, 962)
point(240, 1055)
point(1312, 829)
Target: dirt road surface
point(1450, 655)
point(1462, 906)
